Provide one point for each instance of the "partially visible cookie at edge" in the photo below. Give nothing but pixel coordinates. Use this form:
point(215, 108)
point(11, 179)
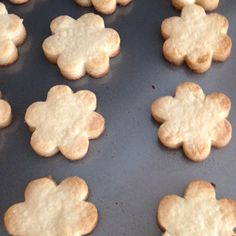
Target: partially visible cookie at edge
point(13, 34)
point(65, 122)
point(19, 1)
point(103, 6)
point(81, 46)
point(5, 113)
point(53, 210)
point(208, 5)
point(198, 213)
point(193, 120)
point(196, 38)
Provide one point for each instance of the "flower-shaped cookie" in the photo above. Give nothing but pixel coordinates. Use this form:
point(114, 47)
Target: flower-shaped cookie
point(5, 113)
point(208, 5)
point(64, 122)
point(196, 38)
point(193, 120)
point(103, 6)
point(12, 34)
point(83, 45)
point(198, 213)
point(51, 210)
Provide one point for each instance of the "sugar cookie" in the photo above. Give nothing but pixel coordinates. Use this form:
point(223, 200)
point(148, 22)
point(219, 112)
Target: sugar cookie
point(12, 34)
point(80, 46)
point(52, 210)
point(193, 120)
point(196, 38)
point(64, 122)
point(198, 213)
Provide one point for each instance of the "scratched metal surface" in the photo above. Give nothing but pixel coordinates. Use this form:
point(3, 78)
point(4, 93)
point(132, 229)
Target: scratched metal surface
point(127, 169)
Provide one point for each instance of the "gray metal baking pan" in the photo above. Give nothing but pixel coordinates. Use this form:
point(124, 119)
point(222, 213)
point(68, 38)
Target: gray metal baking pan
point(128, 171)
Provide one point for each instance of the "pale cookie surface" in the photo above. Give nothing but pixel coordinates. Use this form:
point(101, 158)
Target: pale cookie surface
point(80, 46)
point(64, 122)
point(199, 213)
point(193, 120)
point(53, 210)
point(103, 6)
point(5, 113)
point(208, 5)
point(12, 34)
point(196, 38)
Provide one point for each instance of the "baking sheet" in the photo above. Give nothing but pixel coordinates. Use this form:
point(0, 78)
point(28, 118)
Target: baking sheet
point(128, 171)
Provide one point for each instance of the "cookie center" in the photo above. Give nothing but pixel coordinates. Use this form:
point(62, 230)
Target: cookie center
point(66, 115)
point(83, 42)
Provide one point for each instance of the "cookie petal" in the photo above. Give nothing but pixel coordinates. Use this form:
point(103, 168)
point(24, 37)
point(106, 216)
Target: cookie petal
point(3, 9)
point(170, 25)
point(201, 190)
point(98, 66)
point(76, 148)
point(222, 48)
point(8, 52)
point(58, 91)
point(220, 22)
point(161, 108)
point(192, 12)
point(208, 5)
point(61, 23)
point(38, 190)
point(16, 220)
point(15, 29)
point(44, 143)
point(74, 187)
point(92, 19)
point(111, 43)
point(53, 47)
point(86, 220)
point(179, 4)
point(189, 91)
point(199, 60)
point(105, 6)
point(123, 2)
point(219, 103)
point(5, 114)
point(228, 209)
point(19, 1)
point(170, 134)
point(88, 98)
point(168, 210)
point(172, 53)
point(35, 115)
point(95, 125)
point(197, 150)
point(222, 134)
point(71, 67)
point(84, 3)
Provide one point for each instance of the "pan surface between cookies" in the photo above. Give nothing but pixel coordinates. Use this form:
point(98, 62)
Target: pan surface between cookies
point(196, 38)
point(193, 120)
point(12, 34)
point(198, 213)
point(103, 6)
point(80, 46)
point(52, 210)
